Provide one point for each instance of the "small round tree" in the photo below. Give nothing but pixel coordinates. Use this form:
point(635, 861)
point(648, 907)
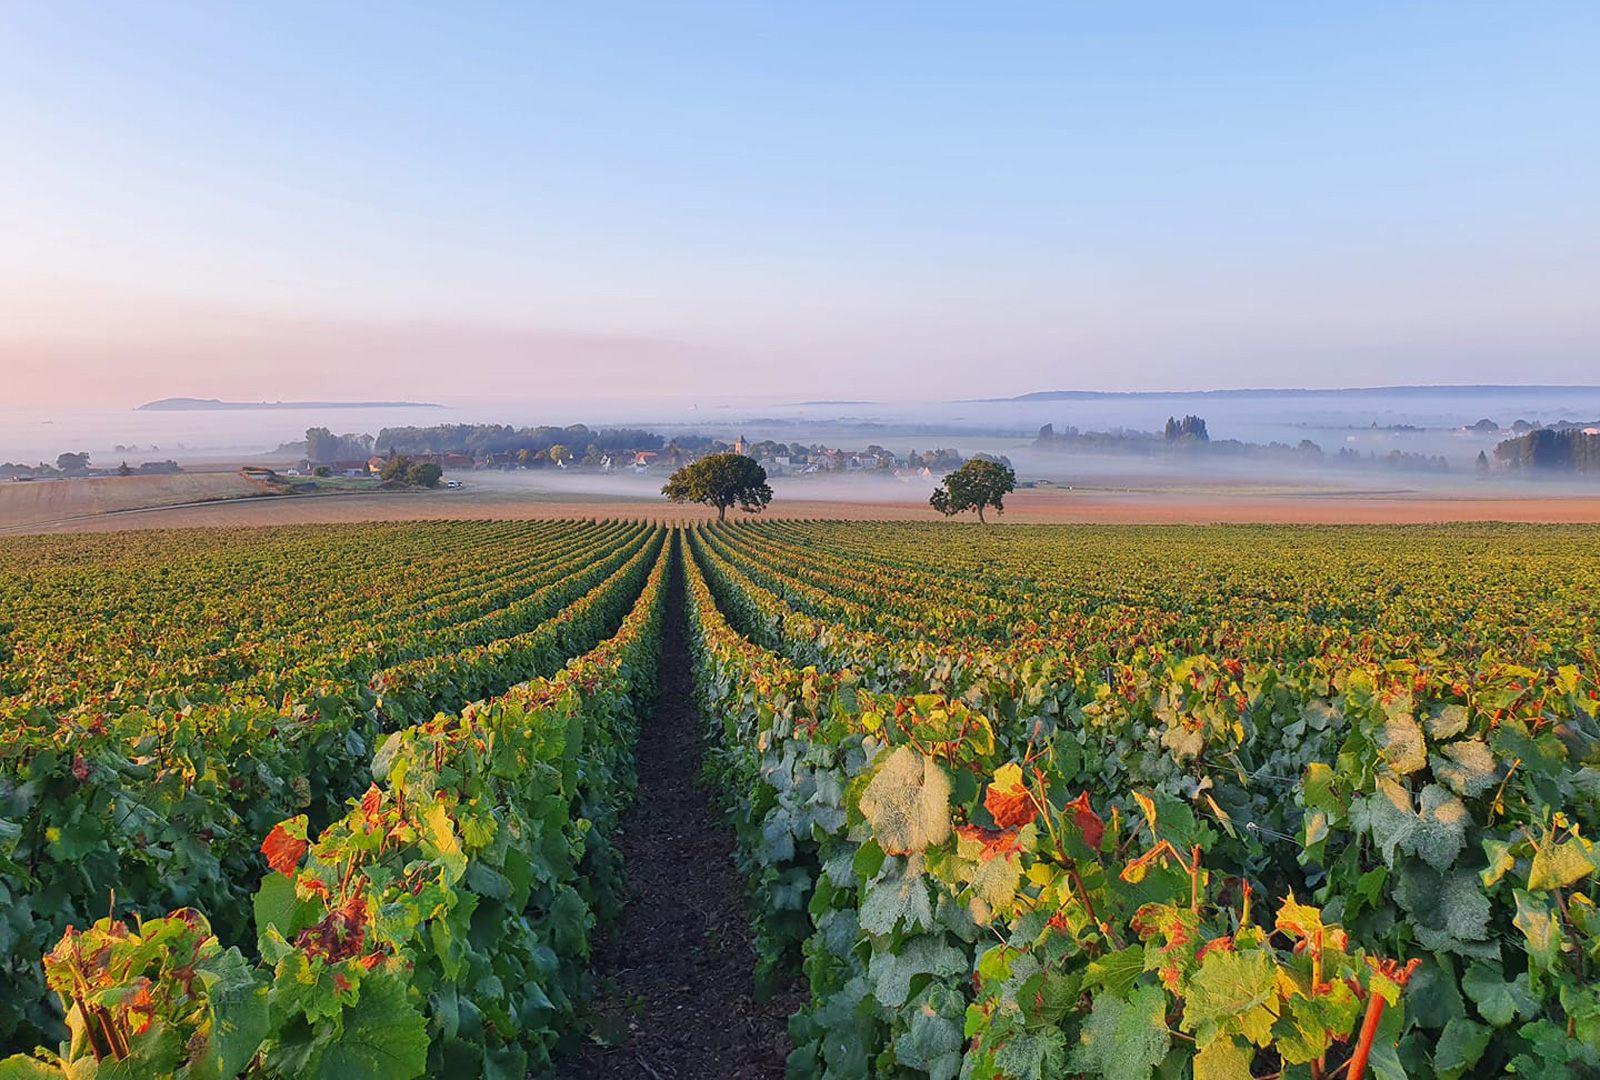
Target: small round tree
point(721, 480)
point(425, 475)
point(975, 485)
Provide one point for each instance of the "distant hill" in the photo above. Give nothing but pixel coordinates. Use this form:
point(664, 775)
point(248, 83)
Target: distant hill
point(1290, 392)
point(189, 404)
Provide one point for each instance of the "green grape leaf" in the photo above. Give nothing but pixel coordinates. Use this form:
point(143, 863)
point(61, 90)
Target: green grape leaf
point(908, 802)
point(277, 905)
point(1117, 971)
point(897, 898)
point(1498, 1000)
point(1460, 1046)
point(933, 1040)
point(1124, 1040)
point(1446, 910)
point(1033, 1056)
point(891, 972)
point(240, 1017)
point(1436, 834)
point(385, 1037)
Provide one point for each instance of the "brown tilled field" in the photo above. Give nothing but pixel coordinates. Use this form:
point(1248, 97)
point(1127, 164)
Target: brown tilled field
point(116, 503)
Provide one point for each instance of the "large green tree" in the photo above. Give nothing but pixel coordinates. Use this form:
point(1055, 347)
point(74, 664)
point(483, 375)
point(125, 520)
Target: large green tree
point(721, 480)
point(975, 485)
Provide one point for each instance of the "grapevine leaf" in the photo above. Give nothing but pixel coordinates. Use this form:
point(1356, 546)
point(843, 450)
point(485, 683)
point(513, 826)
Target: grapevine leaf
point(439, 841)
point(1446, 910)
point(385, 1037)
point(285, 844)
point(1117, 971)
point(1431, 997)
point(993, 878)
point(896, 897)
point(1541, 927)
point(908, 802)
point(892, 972)
point(18, 1067)
point(1501, 861)
point(1556, 866)
point(278, 905)
point(240, 1018)
point(1402, 744)
point(1448, 721)
point(1223, 1058)
point(1467, 767)
point(1124, 1040)
point(932, 1042)
point(1460, 1046)
point(1436, 834)
point(1233, 987)
point(1033, 1056)
point(1007, 799)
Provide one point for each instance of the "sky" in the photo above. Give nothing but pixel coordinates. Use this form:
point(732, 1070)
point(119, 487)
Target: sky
point(909, 201)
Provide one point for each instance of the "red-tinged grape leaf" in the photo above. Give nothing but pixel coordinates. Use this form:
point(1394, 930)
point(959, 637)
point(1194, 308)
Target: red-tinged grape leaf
point(1007, 798)
point(1297, 919)
point(285, 844)
point(1088, 822)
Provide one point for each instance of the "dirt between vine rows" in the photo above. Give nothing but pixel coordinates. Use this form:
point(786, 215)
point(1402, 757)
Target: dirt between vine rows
point(676, 971)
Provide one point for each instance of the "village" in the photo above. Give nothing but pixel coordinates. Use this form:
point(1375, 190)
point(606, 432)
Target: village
point(777, 458)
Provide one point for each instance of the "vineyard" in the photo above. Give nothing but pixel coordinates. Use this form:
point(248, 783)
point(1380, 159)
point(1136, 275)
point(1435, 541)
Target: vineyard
point(1218, 802)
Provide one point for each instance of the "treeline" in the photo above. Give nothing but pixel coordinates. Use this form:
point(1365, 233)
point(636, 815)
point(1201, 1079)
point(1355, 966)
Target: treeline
point(476, 439)
point(322, 446)
point(77, 465)
point(1186, 436)
point(1569, 449)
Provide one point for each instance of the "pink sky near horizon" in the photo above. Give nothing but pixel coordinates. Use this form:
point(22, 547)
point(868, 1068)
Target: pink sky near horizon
point(889, 201)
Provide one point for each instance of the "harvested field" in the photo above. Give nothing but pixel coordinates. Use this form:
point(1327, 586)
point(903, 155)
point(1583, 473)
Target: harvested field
point(52, 503)
point(101, 506)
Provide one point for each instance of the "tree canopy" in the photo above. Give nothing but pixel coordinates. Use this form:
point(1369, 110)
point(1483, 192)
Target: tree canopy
point(975, 485)
point(721, 480)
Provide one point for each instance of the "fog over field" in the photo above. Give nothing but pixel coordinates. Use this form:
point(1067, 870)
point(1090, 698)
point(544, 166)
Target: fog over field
point(1369, 426)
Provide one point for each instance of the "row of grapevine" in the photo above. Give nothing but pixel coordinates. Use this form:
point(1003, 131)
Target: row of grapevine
point(1155, 838)
point(438, 926)
point(150, 807)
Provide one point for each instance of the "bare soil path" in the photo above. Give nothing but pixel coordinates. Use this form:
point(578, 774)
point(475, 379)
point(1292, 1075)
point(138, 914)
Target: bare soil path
point(676, 971)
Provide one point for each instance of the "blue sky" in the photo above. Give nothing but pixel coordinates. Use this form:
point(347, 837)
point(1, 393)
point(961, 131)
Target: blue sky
point(822, 199)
